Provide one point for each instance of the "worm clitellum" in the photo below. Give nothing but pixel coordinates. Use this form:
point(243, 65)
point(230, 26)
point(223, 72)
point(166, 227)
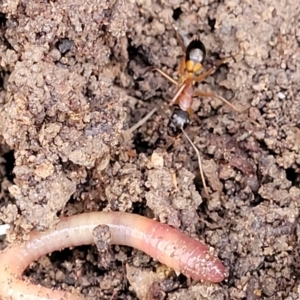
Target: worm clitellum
point(162, 242)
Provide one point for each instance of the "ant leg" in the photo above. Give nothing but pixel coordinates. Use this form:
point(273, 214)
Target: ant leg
point(179, 91)
point(182, 66)
point(127, 133)
point(221, 61)
point(213, 95)
point(163, 74)
point(204, 75)
point(181, 44)
point(179, 39)
point(179, 88)
point(199, 163)
point(190, 111)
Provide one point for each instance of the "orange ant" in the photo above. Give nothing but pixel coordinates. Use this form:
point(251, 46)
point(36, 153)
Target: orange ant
point(190, 68)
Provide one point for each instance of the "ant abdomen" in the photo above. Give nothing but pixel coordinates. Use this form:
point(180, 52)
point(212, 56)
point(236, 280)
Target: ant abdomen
point(178, 121)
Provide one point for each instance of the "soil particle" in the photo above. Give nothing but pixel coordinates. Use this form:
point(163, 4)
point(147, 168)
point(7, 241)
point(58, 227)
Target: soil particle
point(124, 189)
point(253, 289)
point(200, 291)
point(167, 201)
point(102, 237)
point(146, 283)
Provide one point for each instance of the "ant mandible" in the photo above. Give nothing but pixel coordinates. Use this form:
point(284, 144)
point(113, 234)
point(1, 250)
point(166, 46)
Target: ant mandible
point(190, 66)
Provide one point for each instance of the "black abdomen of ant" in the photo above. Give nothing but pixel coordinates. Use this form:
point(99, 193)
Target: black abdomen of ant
point(178, 121)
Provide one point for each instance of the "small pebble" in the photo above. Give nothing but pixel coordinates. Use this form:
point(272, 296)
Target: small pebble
point(3, 229)
point(281, 95)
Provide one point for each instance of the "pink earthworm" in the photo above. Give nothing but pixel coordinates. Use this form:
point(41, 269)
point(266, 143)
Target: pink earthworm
point(162, 242)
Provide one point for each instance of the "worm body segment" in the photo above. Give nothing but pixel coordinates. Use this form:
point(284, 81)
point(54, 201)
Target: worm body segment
point(162, 242)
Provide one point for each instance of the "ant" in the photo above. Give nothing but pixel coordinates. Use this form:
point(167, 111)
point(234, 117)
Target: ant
point(190, 72)
point(190, 66)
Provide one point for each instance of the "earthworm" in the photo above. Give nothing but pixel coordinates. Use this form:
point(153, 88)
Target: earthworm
point(164, 243)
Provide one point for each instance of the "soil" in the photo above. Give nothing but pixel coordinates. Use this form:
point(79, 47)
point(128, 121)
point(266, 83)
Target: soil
point(73, 78)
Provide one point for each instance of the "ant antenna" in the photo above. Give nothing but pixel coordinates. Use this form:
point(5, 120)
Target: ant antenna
point(199, 162)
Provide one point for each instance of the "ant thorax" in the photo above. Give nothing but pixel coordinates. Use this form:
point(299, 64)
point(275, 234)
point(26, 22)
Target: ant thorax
point(179, 120)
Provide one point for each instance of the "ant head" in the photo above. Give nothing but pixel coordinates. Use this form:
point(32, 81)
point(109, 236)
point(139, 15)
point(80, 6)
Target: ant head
point(179, 120)
point(195, 55)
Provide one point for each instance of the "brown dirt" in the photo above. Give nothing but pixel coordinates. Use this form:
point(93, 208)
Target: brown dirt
point(72, 75)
